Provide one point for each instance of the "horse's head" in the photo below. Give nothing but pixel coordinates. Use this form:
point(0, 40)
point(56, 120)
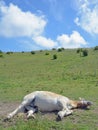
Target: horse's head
point(84, 104)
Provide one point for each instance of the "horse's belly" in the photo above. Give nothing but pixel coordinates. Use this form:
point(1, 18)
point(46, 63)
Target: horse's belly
point(45, 104)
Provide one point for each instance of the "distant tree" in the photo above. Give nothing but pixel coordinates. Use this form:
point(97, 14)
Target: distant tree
point(60, 49)
point(79, 50)
point(63, 48)
point(82, 52)
point(96, 48)
point(85, 52)
point(53, 48)
point(41, 50)
point(47, 53)
point(1, 52)
point(9, 52)
point(33, 52)
point(54, 56)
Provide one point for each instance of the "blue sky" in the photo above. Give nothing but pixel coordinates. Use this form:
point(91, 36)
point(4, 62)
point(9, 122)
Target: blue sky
point(27, 25)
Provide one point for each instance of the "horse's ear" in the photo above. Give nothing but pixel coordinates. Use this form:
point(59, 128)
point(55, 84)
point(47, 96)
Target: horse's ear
point(81, 99)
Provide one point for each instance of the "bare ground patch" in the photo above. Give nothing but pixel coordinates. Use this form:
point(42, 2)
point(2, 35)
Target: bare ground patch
point(7, 107)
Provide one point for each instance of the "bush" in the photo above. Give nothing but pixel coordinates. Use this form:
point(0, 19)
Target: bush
point(1, 55)
point(85, 52)
point(1, 52)
point(53, 48)
point(54, 56)
point(96, 48)
point(63, 48)
point(47, 53)
point(60, 49)
point(41, 50)
point(33, 52)
point(79, 50)
point(82, 52)
point(9, 52)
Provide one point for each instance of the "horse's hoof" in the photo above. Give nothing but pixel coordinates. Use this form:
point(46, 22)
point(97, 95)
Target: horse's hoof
point(59, 118)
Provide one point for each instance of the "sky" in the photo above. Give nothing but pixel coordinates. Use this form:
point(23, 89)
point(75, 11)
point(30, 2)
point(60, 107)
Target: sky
point(27, 25)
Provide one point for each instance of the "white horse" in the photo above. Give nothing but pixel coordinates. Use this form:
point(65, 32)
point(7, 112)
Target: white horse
point(48, 101)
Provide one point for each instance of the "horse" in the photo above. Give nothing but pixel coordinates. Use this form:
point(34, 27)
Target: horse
point(46, 101)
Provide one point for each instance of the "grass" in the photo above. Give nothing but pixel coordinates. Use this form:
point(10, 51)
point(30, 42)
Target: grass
point(69, 75)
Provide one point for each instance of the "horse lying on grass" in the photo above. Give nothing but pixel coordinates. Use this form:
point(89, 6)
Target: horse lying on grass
point(46, 101)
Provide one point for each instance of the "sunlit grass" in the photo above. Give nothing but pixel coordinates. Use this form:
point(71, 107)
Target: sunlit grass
point(69, 75)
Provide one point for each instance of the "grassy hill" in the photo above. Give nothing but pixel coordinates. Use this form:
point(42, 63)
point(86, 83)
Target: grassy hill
point(70, 74)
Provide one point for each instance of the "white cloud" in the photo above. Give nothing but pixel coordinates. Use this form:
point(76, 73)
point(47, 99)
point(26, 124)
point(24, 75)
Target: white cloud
point(88, 16)
point(45, 42)
point(14, 22)
point(74, 40)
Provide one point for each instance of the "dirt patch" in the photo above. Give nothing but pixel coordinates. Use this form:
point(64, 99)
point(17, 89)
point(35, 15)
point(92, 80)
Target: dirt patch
point(7, 107)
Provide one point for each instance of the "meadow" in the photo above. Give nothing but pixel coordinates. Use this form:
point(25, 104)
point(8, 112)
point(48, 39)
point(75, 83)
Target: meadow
point(70, 74)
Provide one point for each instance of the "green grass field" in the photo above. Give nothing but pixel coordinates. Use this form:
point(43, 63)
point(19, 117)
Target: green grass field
point(70, 75)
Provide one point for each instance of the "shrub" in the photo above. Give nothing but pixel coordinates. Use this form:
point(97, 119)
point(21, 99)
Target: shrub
point(96, 48)
point(47, 53)
point(9, 52)
point(1, 52)
point(53, 48)
point(85, 52)
point(60, 49)
point(33, 52)
point(79, 50)
point(41, 50)
point(1, 55)
point(63, 48)
point(54, 56)
point(82, 52)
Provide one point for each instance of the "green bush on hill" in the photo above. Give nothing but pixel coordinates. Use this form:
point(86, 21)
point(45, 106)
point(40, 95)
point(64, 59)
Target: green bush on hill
point(96, 48)
point(54, 56)
point(1, 55)
point(85, 52)
point(33, 52)
point(1, 52)
point(47, 53)
point(82, 52)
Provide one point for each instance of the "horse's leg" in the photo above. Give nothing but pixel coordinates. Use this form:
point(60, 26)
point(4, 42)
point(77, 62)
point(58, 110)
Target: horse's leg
point(64, 109)
point(31, 110)
point(63, 113)
point(21, 108)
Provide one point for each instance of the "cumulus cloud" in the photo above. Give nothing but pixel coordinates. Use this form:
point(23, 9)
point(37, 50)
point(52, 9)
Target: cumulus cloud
point(15, 23)
point(74, 40)
point(88, 16)
point(45, 42)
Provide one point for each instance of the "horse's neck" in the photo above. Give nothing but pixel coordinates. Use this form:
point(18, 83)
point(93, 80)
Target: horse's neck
point(75, 104)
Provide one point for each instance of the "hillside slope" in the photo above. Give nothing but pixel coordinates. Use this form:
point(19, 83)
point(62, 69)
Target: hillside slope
point(69, 75)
